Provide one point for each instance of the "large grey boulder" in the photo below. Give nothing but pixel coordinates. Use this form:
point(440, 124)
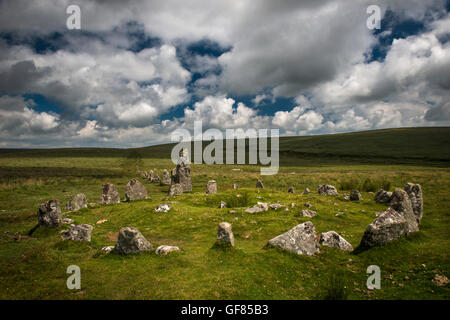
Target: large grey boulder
point(259, 184)
point(79, 232)
point(383, 196)
point(414, 192)
point(175, 189)
point(49, 214)
point(355, 195)
point(401, 203)
point(135, 190)
point(388, 226)
point(327, 189)
point(333, 240)
point(165, 180)
point(225, 235)
point(109, 194)
point(77, 202)
point(182, 173)
point(131, 241)
point(211, 187)
point(302, 239)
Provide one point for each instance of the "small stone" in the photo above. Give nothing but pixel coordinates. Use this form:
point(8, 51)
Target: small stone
point(78, 232)
point(355, 195)
point(66, 221)
point(232, 211)
point(49, 214)
point(275, 206)
point(259, 207)
point(346, 197)
point(163, 208)
point(235, 186)
point(131, 241)
point(175, 189)
point(291, 190)
point(223, 204)
point(308, 205)
point(333, 240)
point(109, 194)
point(211, 187)
point(101, 221)
point(77, 202)
point(307, 191)
point(383, 196)
point(440, 280)
point(293, 205)
point(308, 213)
point(166, 249)
point(107, 249)
point(225, 235)
point(259, 184)
point(327, 189)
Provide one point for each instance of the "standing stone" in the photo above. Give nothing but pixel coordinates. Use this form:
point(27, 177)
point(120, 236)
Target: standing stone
point(156, 179)
point(355, 195)
point(77, 202)
point(182, 173)
point(211, 187)
point(49, 214)
point(110, 194)
point(327, 189)
point(302, 239)
point(414, 192)
point(401, 203)
point(134, 190)
point(383, 196)
point(79, 232)
point(165, 181)
point(223, 204)
point(259, 184)
point(175, 189)
point(225, 235)
point(235, 186)
point(388, 226)
point(291, 190)
point(131, 241)
point(150, 176)
point(333, 240)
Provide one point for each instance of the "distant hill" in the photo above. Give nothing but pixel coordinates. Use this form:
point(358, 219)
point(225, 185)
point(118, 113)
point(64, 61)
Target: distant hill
point(429, 145)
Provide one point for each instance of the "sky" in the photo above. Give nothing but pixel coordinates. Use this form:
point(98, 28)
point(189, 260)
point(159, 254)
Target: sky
point(136, 71)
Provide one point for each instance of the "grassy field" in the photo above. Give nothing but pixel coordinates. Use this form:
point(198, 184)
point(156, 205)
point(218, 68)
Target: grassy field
point(35, 267)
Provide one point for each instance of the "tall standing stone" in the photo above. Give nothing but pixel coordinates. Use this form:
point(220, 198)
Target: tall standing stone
point(77, 202)
point(109, 194)
point(182, 173)
point(165, 180)
point(414, 192)
point(211, 187)
point(225, 235)
point(49, 214)
point(401, 203)
point(135, 190)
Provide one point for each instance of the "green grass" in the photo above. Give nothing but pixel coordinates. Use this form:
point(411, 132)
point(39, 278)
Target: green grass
point(35, 267)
